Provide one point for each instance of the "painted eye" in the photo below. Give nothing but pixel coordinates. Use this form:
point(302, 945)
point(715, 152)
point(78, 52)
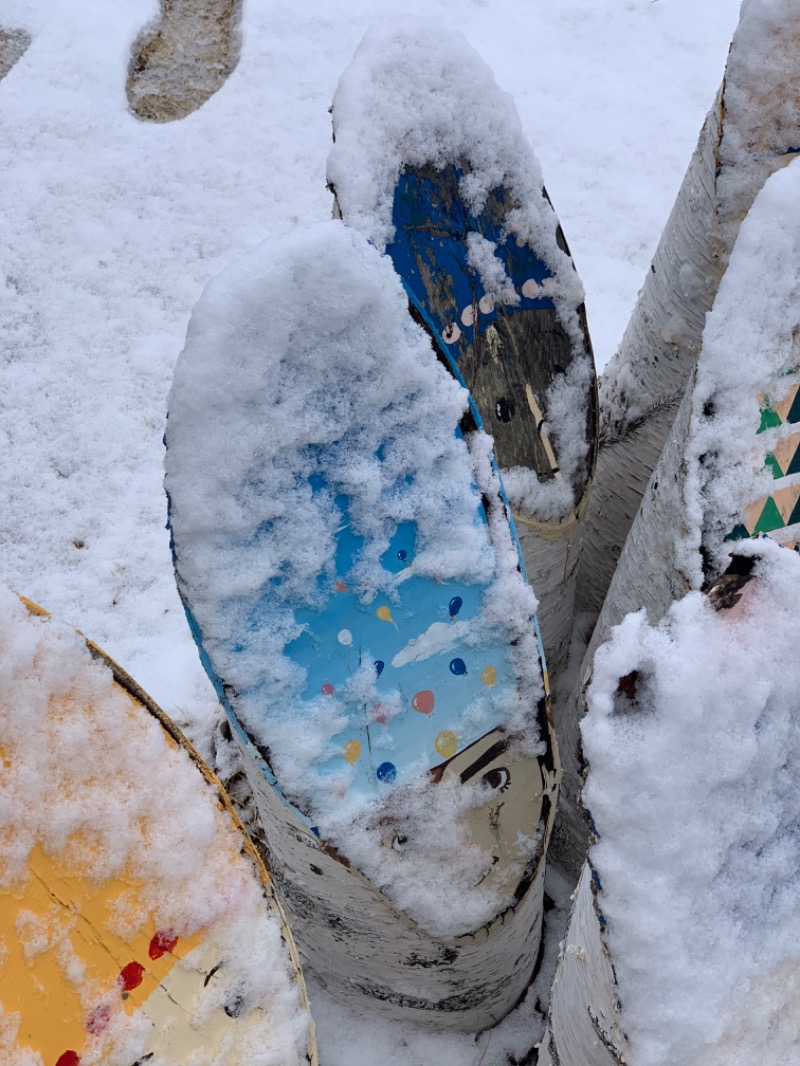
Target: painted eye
point(399, 841)
point(497, 780)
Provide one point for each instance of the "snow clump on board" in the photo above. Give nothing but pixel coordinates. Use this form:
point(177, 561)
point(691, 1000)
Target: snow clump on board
point(417, 93)
point(750, 356)
point(693, 788)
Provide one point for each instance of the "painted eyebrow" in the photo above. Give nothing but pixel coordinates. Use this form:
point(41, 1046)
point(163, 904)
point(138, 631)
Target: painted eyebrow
point(494, 752)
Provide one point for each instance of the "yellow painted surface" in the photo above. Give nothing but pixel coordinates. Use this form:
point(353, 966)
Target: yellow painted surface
point(50, 922)
point(61, 959)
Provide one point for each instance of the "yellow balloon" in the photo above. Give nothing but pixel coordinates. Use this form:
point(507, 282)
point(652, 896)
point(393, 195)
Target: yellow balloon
point(489, 675)
point(446, 744)
point(352, 750)
point(385, 614)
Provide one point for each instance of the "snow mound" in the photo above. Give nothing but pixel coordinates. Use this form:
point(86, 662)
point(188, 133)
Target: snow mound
point(694, 761)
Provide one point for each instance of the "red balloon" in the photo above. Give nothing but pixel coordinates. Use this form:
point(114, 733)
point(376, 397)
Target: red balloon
point(423, 701)
point(162, 943)
point(131, 976)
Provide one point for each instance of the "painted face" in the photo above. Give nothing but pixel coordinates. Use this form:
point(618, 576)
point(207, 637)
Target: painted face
point(506, 819)
point(503, 815)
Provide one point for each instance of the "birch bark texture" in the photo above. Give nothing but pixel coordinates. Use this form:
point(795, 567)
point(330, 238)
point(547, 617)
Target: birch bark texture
point(583, 1021)
point(752, 130)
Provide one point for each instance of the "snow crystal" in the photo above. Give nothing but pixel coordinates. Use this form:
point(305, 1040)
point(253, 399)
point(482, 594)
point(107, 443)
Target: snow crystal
point(553, 499)
point(693, 787)
point(482, 257)
point(61, 721)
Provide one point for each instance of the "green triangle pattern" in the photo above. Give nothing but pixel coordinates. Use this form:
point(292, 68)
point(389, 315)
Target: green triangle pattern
point(794, 517)
point(772, 464)
point(794, 466)
point(794, 410)
point(770, 419)
point(770, 518)
point(738, 533)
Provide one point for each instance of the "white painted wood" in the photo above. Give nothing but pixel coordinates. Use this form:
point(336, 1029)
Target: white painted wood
point(648, 575)
point(583, 1026)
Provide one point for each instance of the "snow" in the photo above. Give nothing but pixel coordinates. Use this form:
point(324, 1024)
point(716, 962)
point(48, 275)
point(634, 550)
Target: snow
point(406, 100)
point(72, 789)
point(111, 228)
point(702, 914)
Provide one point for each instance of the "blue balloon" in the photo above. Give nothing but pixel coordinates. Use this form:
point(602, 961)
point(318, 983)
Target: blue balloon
point(379, 665)
point(455, 606)
point(402, 555)
point(386, 772)
point(458, 667)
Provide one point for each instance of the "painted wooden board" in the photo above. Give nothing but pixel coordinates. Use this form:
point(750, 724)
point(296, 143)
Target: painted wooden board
point(434, 709)
point(510, 345)
point(777, 513)
point(88, 972)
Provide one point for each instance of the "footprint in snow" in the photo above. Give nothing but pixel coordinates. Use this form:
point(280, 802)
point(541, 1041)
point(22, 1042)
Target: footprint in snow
point(180, 60)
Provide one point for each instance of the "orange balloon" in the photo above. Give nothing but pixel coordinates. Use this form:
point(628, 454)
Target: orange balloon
point(423, 701)
point(489, 675)
point(352, 750)
point(446, 744)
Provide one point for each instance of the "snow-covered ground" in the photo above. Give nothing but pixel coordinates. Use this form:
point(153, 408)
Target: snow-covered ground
point(111, 227)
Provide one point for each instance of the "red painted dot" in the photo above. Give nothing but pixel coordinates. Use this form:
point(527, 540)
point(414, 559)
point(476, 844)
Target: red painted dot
point(98, 1020)
point(69, 1058)
point(423, 701)
point(131, 976)
point(162, 944)
point(327, 689)
point(379, 714)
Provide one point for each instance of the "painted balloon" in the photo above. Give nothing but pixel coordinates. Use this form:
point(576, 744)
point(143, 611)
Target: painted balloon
point(328, 689)
point(345, 637)
point(379, 714)
point(489, 675)
point(131, 976)
point(379, 665)
point(385, 614)
point(446, 744)
point(386, 772)
point(455, 606)
point(458, 667)
point(423, 701)
point(402, 555)
point(352, 750)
